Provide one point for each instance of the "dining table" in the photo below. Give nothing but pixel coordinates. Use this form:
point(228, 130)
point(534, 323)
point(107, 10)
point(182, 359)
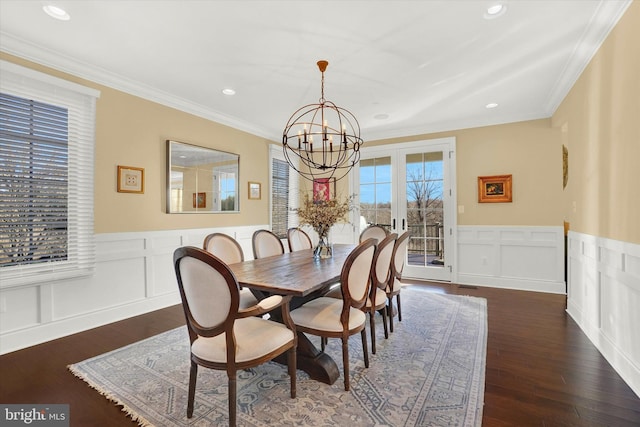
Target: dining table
point(303, 277)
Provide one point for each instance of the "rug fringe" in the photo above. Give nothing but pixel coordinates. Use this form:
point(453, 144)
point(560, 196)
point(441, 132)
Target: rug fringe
point(110, 396)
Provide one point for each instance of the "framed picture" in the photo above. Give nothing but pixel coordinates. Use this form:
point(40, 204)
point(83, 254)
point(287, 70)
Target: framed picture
point(130, 179)
point(322, 189)
point(255, 191)
point(494, 189)
point(565, 166)
point(199, 200)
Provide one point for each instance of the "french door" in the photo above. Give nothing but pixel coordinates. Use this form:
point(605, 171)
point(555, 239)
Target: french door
point(411, 187)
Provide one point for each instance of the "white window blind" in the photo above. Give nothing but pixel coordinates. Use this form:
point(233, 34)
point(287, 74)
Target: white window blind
point(46, 177)
point(284, 194)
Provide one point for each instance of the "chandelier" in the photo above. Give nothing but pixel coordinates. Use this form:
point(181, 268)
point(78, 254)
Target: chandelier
point(322, 140)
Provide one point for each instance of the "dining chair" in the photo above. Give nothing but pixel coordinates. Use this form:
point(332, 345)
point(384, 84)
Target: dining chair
point(222, 335)
point(377, 232)
point(298, 239)
point(380, 273)
point(377, 300)
point(394, 285)
point(265, 244)
point(229, 251)
point(340, 318)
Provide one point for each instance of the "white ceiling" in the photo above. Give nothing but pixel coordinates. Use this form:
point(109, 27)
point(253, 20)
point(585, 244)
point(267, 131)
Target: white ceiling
point(402, 67)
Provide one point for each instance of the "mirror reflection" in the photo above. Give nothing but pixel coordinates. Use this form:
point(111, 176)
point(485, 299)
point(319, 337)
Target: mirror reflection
point(201, 180)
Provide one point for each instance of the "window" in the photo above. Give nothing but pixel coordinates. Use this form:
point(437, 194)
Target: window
point(228, 191)
point(46, 177)
point(284, 194)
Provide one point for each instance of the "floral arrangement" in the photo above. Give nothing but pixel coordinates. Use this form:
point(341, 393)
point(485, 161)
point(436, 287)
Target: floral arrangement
point(322, 214)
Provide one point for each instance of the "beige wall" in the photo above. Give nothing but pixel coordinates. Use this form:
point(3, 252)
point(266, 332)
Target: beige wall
point(131, 131)
point(601, 118)
point(598, 122)
point(530, 151)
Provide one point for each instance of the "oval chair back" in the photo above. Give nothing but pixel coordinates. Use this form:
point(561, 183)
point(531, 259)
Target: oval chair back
point(356, 275)
point(266, 244)
point(376, 232)
point(224, 247)
point(298, 239)
point(229, 251)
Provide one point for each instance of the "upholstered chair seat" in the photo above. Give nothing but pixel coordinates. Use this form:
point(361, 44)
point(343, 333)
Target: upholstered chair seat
point(324, 313)
point(377, 298)
point(340, 318)
point(223, 335)
point(254, 338)
point(380, 298)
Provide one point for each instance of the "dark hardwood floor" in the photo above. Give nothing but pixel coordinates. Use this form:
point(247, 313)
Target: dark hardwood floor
point(541, 369)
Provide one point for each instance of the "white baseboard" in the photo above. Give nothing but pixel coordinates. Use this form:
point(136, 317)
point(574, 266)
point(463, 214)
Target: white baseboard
point(512, 283)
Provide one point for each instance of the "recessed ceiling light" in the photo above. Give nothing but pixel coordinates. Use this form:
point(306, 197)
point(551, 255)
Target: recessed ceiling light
point(228, 91)
point(495, 10)
point(491, 105)
point(56, 12)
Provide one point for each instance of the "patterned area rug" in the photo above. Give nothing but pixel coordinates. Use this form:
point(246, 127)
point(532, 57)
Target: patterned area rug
point(430, 372)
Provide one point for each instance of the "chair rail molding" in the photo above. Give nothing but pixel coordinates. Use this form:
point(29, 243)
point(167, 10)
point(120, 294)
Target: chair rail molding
point(529, 258)
point(134, 275)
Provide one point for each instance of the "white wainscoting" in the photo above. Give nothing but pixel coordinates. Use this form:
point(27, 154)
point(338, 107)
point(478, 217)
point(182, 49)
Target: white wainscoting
point(134, 275)
point(524, 258)
point(604, 299)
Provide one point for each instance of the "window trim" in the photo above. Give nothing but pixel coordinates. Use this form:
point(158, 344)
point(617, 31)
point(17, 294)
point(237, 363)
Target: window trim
point(81, 104)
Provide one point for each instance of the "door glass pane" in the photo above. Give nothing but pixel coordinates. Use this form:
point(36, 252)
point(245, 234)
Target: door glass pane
point(375, 192)
point(425, 213)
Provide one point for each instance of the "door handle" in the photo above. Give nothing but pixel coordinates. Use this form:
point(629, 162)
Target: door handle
point(393, 227)
point(403, 224)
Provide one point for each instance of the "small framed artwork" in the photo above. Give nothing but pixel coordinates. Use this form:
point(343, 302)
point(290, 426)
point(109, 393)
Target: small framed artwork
point(322, 189)
point(494, 189)
point(199, 200)
point(255, 191)
point(565, 166)
point(130, 179)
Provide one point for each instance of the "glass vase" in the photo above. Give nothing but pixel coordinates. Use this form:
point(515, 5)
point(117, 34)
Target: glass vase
point(323, 249)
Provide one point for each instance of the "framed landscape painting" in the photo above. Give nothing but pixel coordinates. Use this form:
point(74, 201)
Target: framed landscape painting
point(494, 189)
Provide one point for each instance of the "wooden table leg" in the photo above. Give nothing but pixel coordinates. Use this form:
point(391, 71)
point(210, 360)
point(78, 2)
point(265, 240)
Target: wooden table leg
point(317, 364)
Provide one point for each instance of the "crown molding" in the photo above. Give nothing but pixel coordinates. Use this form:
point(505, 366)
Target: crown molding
point(52, 59)
point(603, 20)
